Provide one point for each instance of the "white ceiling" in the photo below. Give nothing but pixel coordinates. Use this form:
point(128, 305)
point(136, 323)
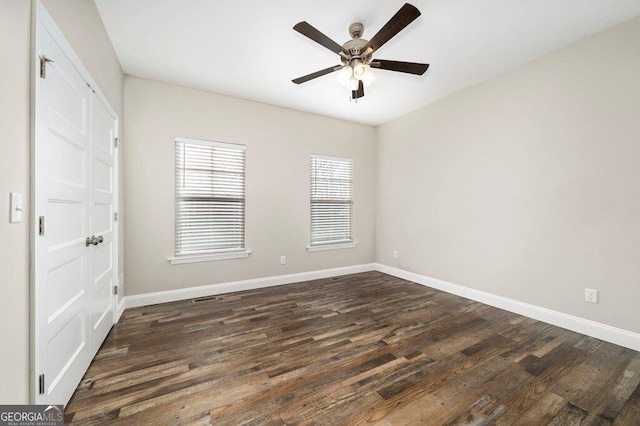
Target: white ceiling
point(248, 49)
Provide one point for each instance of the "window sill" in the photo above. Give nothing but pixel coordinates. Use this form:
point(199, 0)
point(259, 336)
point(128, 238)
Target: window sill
point(178, 260)
point(337, 246)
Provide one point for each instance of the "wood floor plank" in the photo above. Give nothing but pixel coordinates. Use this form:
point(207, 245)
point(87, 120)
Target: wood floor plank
point(542, 412)
point(359, 349)
point(630, 413)
point(600, 374)
point(569, 415)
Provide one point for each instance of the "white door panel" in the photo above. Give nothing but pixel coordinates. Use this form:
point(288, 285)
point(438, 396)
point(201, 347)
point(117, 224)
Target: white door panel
point(102, 218)
point(66, 219)
point(102, 175)
point(75, 158)
point(62, 270)
point(101, 214)
point(68, 160)
point(66, 95)
point(65, 351)
point(65, 284)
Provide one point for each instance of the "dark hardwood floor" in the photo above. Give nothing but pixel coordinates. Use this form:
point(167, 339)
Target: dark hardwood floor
point(365, 348)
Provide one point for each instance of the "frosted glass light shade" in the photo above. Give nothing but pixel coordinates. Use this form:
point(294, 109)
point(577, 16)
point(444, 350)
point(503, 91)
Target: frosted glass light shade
point(344, 75)
point(368, 77)
point(359, 70)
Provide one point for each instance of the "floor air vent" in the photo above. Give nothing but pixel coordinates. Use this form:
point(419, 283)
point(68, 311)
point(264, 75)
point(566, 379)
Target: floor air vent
point(204, 299)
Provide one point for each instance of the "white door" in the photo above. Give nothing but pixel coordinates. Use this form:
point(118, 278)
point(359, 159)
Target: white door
point(63, 260)
point(74, 196)
point(101, 222)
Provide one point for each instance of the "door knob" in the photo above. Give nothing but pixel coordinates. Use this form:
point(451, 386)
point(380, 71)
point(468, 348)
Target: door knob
point(100, 239)
point(93, 240)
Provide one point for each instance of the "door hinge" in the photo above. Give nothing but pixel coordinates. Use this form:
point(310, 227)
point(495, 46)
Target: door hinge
point(41, 225)
point(115, 289)
point(43, 65)
point(115, 142)
point(115, 217)
point(41, 384)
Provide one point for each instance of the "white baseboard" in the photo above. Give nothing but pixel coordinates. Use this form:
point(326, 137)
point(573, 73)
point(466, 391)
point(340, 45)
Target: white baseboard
point(598, 330)
point(214, 289)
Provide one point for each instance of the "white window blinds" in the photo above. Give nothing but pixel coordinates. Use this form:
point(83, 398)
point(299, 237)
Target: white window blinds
point(331, 200)
point(210, 196)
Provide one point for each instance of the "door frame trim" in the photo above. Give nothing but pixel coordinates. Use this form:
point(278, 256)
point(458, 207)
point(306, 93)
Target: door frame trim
point(39, 15)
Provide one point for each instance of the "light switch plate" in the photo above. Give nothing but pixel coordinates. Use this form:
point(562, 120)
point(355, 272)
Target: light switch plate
point(16, 208)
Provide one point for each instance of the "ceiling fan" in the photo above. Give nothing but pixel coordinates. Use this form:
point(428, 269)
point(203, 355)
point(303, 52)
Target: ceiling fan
point(356, 54)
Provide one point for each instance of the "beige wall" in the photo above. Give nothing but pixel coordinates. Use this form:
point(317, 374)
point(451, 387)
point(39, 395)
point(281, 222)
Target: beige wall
point(279, 142)
point(80, 22)
point(526, 186)
point(14, 177)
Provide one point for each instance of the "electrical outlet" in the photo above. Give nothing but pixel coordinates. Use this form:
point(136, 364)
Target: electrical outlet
point(283, 260)
point(395, 254)
point(590, 295)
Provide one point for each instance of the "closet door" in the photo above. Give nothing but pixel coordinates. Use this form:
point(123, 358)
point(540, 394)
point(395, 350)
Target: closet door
point(74, 247)
point(101, 223)
point(63, 261)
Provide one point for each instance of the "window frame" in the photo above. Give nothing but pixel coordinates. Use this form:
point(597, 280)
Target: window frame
point(337, 244)
point(214, 254)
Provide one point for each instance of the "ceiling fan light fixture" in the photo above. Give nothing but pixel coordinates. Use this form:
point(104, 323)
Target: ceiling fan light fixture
point(353, 84)
point(359, 69)
point(368, 77)
point(345, 75)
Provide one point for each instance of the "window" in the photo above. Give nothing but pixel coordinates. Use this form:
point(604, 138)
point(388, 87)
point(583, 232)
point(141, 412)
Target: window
point(331, 202)
point(210, 199)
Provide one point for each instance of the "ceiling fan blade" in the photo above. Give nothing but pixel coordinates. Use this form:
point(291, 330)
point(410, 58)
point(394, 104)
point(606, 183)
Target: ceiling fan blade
point(406, 15)
point(314, 34)
point(317, 74)
point(400, 66)
point(355, 94)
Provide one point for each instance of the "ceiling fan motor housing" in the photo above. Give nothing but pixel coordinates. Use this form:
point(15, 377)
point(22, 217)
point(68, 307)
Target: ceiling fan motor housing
point(355, 47)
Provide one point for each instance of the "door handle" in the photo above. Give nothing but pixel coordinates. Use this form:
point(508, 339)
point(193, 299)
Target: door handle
point(93, 240)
